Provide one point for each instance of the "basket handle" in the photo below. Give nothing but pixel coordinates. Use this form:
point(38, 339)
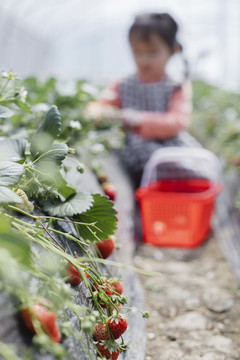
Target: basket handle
point(190, 155)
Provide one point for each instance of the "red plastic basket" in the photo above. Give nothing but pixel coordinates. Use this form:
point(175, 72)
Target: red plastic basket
point(175, 212)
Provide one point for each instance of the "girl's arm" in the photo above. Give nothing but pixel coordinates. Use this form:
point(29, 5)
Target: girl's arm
point(107, 105)
point(154, 125)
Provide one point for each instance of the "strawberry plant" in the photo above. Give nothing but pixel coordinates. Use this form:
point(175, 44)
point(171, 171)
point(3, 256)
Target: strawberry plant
point(216, 115)
point(42, 218)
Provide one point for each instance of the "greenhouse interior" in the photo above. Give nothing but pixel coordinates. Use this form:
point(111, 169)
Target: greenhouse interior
point(119, 180)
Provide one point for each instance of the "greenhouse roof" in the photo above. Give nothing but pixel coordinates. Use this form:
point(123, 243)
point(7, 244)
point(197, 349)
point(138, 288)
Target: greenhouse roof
point(79, 38)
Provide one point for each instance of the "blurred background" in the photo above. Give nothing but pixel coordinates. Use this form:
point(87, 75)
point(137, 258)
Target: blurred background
point(88, 39)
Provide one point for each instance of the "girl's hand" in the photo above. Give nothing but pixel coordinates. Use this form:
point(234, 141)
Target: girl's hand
point(100, 112)
point(131, 118)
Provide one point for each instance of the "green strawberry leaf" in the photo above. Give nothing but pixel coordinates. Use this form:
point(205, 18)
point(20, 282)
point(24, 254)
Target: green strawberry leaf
point(51, 123)
point(17, 245)
point(5, 112)
point(10, 173)
point(12, 149)
point(24, 106)
point(8, 196)
point(103, 215)
point(5, 225)
point(56, 153)
point(46, 133)
point(75, 204)
point(66, 190)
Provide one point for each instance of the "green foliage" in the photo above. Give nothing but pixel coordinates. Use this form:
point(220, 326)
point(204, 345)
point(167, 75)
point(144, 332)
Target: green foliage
point(10, 173)
point(12, 149)
point(216, 123)
point(8, 196)
point(75, 204)
point(103, 215)
point(216, 118)
point(36, 142)
point(5, 112)
point(48, 131)
point(56, 153)
point(16, 244)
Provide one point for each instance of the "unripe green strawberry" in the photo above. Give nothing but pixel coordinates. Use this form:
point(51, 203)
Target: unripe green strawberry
point(27, 205)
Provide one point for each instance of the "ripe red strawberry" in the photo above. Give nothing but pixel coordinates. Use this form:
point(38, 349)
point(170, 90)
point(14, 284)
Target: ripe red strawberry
point(106, 286)
point(46, 318)
point(73, 274)
point(106, 247)
point(117, 286)
point(117, 326)
point(100, 332)
point(110, 190)
point(108, 355)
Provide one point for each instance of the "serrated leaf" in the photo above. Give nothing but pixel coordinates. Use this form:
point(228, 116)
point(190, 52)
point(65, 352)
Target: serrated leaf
point(49, 173)
point(56, 153)
point(75, 204)
point(66, 191)
point(46, 133)
point(5, 112)
point(8, 196)
point(103, 214)
point(12, 149)
point(52, 122)
point(17, 245)
point(10, 173)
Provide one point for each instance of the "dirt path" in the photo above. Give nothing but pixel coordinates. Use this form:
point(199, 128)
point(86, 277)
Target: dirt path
point(194, 305)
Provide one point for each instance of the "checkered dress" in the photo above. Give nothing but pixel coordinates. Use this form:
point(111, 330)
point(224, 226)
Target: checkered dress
point(147, 97)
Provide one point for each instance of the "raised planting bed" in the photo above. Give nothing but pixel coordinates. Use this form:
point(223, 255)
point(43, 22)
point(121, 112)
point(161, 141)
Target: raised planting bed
point(56, 281)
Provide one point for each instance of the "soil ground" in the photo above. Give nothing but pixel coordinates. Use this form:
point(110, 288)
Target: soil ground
point(194, 304)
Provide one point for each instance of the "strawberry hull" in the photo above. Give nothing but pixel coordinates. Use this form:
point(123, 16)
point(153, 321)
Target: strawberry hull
point(108, 355)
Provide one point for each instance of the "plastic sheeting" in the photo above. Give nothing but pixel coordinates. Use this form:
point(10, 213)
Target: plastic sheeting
point(88, 39)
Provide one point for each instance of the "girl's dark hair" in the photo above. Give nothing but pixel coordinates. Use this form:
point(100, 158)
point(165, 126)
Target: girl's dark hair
point(161, 24)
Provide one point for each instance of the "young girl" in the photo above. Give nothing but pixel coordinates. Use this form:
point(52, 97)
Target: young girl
point(155, 109)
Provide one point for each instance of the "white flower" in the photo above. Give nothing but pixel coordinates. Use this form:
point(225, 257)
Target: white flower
point(66, 87)
point(90, 89)
point(75, 125)
point(23, 94)
point(4, 74)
